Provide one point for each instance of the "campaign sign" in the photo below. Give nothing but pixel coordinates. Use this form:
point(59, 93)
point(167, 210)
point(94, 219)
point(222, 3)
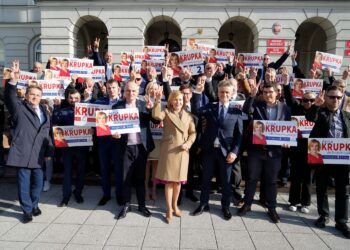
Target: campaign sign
point(24, 77)
point(156, 130)
point(155, 52)
point(267, 132)
point(124, 72)
point(52, 74)
point(51, 88)
point(329, 151)
point(302, 86)
point(192, 60)
point(140, 56)
point(71, 136)
point(222, 54)
point(327, 60)
point(239, 105)
point(253, 60)
point(98, 73)
point(121, 121)
point(85, 113)
point(81, 67)
point(205, 48)
point(304, 126)
point(157, 64)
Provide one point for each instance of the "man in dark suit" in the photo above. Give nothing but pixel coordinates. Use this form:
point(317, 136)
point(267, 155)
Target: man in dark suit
point(134, 148)
point(31, 144)
point(107, 62)
point(331, 122)
point(221, 128)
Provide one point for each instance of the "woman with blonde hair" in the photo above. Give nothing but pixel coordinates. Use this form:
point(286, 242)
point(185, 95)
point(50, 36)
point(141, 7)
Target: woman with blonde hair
point(178, 137)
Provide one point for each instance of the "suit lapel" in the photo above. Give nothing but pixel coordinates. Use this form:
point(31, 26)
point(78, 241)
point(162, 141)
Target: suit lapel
point(262, 111)
point(280, 111)
point(176, 120)
point(33, 117)
point(215, 112)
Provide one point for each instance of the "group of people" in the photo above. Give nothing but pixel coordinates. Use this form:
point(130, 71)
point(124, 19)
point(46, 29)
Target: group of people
point(201, 124)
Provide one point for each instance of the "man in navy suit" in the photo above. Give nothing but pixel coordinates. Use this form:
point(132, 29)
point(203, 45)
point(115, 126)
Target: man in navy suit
point(107, 62)
point(31, 143)
point(221, 128)
point(134, 148)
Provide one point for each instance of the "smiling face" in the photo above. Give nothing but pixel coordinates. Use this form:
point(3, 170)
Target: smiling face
point(225, 94)
point(131, 92)
point(177, 102)
point(258, 129)
point(314, 148)
point(101, 119)
point(33, 96)
point(269, 95)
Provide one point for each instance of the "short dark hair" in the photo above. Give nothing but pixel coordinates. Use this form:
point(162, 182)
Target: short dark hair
point(270, 85)
point(185, 86)
point(73, 91)
point(111, 81)
point(333, 87)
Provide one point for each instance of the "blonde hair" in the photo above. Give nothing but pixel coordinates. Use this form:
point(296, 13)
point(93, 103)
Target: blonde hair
point(101, 114)
point(313, 141)
point(173, 95)
point(258, 123)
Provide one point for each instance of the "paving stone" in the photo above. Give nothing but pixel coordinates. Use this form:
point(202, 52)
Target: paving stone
point(92, 235)
point(228, 239)
point(336, 242)
point(158, 220)
point(127, 236)
point(120, 248)
point(101, 217)
point(13, 245)
point(45, 246)
point(197, 222)
point(24, 232)
point(160, 237)
point(293, 224)
point(73, 216)
point(83, 247)
point(258, 221)
point(269, 240)
point(133, 219)
point(197, 239)
point(48, 214)
point(236, 222)
point(58, 233)
point(6, 225)
point(305, 241)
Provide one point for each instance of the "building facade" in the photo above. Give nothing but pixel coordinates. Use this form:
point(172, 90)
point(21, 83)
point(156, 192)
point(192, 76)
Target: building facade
point(34, 30)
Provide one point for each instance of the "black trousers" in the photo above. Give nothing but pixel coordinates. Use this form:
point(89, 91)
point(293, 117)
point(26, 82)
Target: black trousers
point(341, 176)
point(236, 179)
point(134, 169)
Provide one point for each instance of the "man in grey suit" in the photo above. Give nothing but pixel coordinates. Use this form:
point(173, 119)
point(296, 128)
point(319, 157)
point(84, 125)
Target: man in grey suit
point(31, 143)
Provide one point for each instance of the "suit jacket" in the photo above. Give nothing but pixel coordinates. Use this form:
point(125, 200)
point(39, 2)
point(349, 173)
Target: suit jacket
point(229, 133)
point(145, 116)
point(256, 110)
point(31, 141)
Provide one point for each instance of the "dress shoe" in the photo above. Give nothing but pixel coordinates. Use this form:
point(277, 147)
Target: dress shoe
point(78, 197)
point(238, 203)
point(123, 212)
point(200, 210)
point(321, 222)
point(191, 197)
point(104, 201)
point(27, 218)
point(226, 212)
point(145, 212)
point(243, 210)
point(273, 215)
point(63, 203)
point(36, 211)
point(342, 227)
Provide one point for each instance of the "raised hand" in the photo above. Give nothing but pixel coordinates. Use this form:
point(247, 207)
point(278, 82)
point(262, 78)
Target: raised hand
point(320, 99)
point(14, 75)
point(329, 71)
point(89, 49)
point(253, 72)
point(254, 88)
point(346, 73)
point(289, 46)
point(312, 73)
point(96, 43)
point(285, 76)
point(159, 93)
point(294, 56)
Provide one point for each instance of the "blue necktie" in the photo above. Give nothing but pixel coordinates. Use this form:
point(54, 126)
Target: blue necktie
point(222, 114)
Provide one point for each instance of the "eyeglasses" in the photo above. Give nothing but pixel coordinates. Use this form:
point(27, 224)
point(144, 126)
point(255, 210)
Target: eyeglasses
point(265, 59)
point(308, 100)
point(334, 97)
point(138, 79)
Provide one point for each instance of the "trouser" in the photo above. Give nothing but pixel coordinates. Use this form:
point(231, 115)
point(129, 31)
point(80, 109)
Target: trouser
point(134, 170)
point(341, 176)
point(190, 174)
point(262, 166)
point(68, 156)
point(30, 183)
point(210, 161)
point(48, 169)
point(109, 152)
point(236, 179)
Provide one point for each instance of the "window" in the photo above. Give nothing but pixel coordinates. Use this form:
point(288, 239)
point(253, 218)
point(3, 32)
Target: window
point(37, 51)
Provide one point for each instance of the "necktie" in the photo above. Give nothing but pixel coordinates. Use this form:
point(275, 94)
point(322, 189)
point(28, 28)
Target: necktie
point(222, 114)
point(37, 110)
point(188, 108)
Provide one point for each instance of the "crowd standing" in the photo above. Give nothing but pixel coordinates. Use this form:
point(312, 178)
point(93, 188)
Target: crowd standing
point(204, 134)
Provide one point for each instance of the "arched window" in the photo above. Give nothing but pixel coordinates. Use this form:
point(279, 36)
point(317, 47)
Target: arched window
point(37, 51)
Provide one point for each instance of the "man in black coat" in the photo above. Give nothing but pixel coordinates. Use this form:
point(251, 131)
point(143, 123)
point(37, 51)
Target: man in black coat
point(331, 122)
point(31, 143)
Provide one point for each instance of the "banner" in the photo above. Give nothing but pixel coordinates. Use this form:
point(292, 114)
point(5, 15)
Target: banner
point(239, 105)
point(205, 48)
point(75, 66)
point(85, 113)
point(121, 121)
point(325, 60)
point(192, 60)
point(329, 151)
point(253, 60)
point(222, 54)
point(267, 132)
point(302, 86)
point(98, 73)
point(304, 126)
point(156, 130)
point(24, 77)
point(155, 52)
point(157, 64)
point(51, 74)
point(71, 136)
point(290, 79)
point(51, 88)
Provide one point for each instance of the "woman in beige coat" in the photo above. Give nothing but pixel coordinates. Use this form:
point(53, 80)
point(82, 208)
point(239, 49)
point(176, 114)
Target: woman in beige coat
point(178, 136)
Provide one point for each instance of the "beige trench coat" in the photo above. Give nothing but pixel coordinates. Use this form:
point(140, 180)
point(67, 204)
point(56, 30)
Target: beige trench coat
point(173, 161)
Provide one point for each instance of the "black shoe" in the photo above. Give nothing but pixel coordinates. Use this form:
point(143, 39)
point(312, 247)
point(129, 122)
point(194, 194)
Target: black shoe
point(145, 212)
point(342, 227)
point(27, 218)
point(36, 211)
point(104, 201)
point(123, 212)
point(200, 210)
point(191, 197)
point(273, 215)
point(78, 197)
point(243, 210)
point(226, 212)
point(63, 203)
point(321, 222)
point(238, 202)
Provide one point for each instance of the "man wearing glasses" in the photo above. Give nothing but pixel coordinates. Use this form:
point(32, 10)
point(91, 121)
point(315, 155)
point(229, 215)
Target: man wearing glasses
point(331, 122)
